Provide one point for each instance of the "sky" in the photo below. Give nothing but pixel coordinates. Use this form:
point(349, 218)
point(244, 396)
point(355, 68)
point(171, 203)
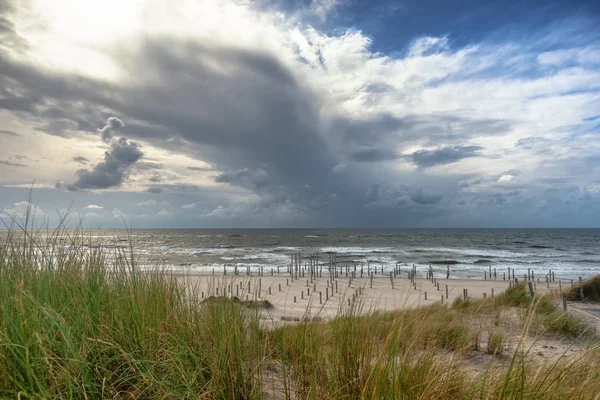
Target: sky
point(300, 113)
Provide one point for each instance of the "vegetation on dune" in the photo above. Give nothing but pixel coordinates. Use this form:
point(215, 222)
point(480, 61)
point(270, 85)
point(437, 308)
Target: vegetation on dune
point(591, 290)
point(77, 322)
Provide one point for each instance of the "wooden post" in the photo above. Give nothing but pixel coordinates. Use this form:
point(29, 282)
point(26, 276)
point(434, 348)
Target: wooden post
point(446, 291)
point(580, 289)
point(492, 293)
point(425, 295)
point(530, 285)
point(448, 272)
point(294, 299)
point(564, 299)
point(320, 297)
point(280, 287)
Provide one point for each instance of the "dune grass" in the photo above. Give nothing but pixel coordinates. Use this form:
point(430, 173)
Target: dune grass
point(79, 321)
point(591, 290)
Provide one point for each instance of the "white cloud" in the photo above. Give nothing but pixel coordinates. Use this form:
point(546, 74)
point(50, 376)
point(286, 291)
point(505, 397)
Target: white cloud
point(147, 203)
point(506, 178)
point(20, 210)
point(164, 213)
point(189, 206)
point(322, 8)
point(93, 207)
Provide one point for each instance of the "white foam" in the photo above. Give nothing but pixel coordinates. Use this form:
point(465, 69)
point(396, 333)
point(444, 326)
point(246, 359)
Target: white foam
point(357, 250)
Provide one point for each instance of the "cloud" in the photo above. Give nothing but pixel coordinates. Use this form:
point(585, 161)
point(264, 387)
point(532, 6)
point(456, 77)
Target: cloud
point(112, 124)
point(20, 210)
point(322, 8)
point(211, 168)
point(11, 164)
point(446, 155)
point(80, 160)
point(253, 179)
point(93, 207)
point(298, 121)
point(8, 133)
point(147, 203)
point(189, 206)
point(373, 155)
point(112, 171)
point(423, 197)
point(506, 178)
point(164, 213)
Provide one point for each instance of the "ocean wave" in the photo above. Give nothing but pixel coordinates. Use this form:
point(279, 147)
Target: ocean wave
point(163, 248)
point(283, 248)
point(539, 246)
point(357, 250)
point(445, 262)
point(480, 253)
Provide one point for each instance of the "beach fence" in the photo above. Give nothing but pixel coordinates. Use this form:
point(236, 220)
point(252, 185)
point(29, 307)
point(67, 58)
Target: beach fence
point(327, 275)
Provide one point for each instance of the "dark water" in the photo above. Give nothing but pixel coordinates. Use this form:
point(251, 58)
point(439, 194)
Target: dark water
point(570, 253)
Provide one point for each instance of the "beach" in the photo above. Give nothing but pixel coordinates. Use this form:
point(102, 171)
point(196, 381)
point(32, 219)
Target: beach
point(324, 297)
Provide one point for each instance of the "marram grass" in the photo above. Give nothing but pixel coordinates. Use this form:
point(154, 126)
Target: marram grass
point(81, 322)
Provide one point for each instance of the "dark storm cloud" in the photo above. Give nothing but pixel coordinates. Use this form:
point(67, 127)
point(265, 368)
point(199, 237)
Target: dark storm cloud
point(241, 111)
point(155, 190)
point(437, 130)
point(446, 155)
point(112, 171)
point(81, 160)
point(424, 197)
point(373, 155)
point(252, 179)
point(112, 124)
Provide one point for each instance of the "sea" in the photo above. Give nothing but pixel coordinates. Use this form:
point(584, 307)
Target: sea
point(469, 253)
